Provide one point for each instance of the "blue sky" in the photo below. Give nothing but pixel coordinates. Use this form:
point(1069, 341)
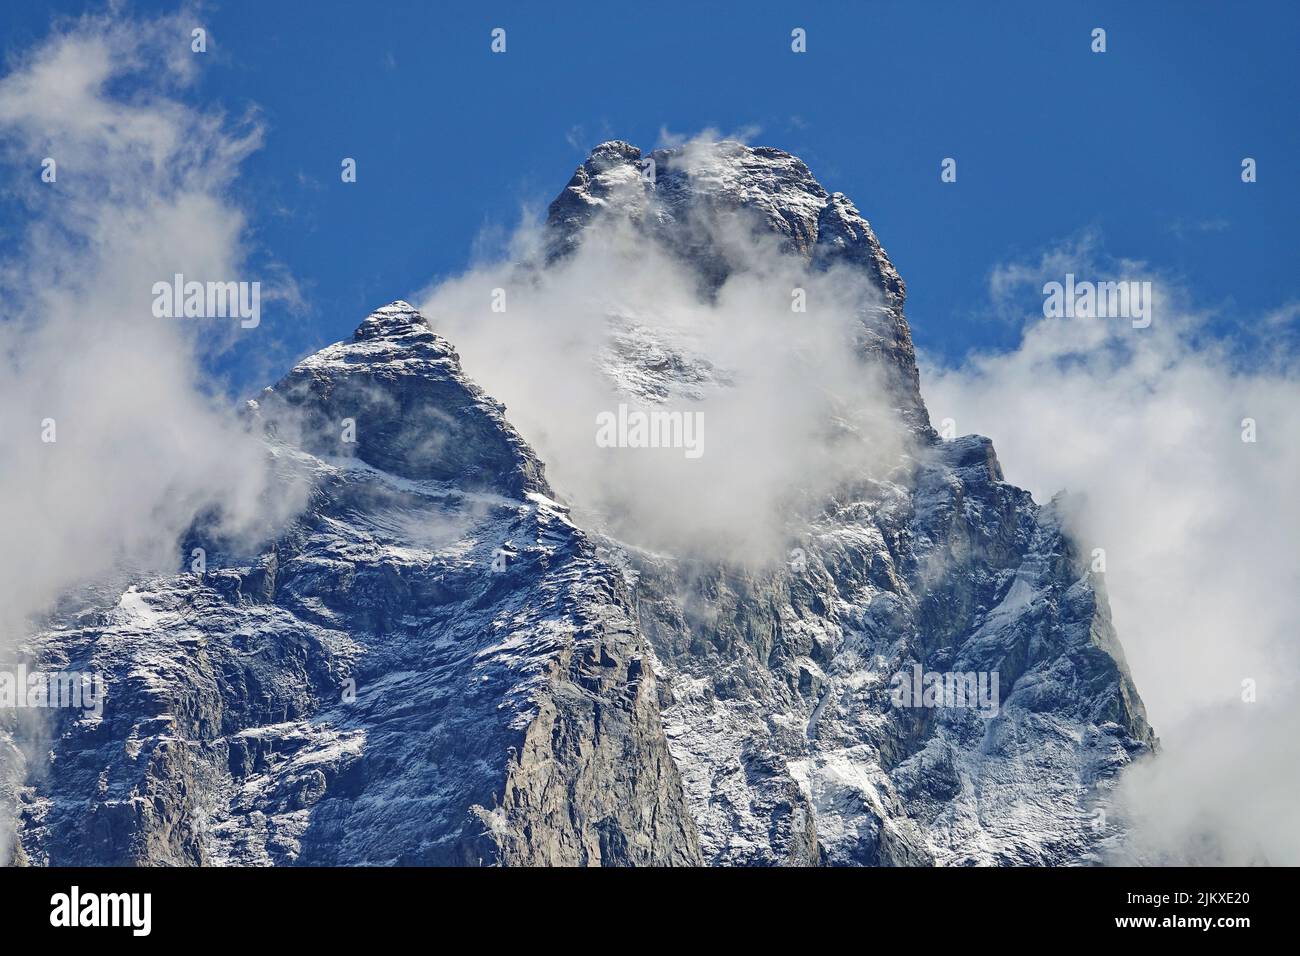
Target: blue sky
point(1142, 144)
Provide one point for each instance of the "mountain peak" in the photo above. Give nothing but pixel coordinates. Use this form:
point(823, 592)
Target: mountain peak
point(398, 318)
point(613, 148)
point(434, 637)
point(667, 194)
point(667, 187)
point(413, 411)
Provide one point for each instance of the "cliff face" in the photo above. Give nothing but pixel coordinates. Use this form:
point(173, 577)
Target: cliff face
point(781, 712)
point(436, 665)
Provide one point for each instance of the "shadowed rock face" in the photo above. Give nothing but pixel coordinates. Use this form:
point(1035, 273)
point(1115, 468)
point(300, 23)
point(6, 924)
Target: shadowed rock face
point(435, 665)
point(414, 412)
point(780, 707)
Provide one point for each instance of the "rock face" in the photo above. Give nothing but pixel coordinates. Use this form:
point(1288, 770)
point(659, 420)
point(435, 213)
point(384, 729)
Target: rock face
point(781, 714)
point(435, 665)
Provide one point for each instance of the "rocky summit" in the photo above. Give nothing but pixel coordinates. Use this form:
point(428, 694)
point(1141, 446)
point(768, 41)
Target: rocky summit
point(436, 664)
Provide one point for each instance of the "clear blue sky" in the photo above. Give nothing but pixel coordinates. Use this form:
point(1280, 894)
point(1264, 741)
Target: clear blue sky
point(1143, 143)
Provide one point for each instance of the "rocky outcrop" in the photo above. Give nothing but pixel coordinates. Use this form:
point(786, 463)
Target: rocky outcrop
point(780, 697)
point(396, 398)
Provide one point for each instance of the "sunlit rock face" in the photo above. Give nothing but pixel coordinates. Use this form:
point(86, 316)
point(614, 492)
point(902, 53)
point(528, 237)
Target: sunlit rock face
point(436, 664)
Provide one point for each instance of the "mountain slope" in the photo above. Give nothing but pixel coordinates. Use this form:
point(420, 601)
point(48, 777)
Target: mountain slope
point(432, 667)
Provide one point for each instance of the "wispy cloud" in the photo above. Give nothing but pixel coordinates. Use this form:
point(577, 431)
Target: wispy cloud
point(142, 192)
point(1183, 228)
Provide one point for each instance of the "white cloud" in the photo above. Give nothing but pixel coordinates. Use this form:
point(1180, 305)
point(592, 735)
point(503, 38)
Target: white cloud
point(142, 192)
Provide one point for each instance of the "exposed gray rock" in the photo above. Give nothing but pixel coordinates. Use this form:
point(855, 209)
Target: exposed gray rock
point(415, 413)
